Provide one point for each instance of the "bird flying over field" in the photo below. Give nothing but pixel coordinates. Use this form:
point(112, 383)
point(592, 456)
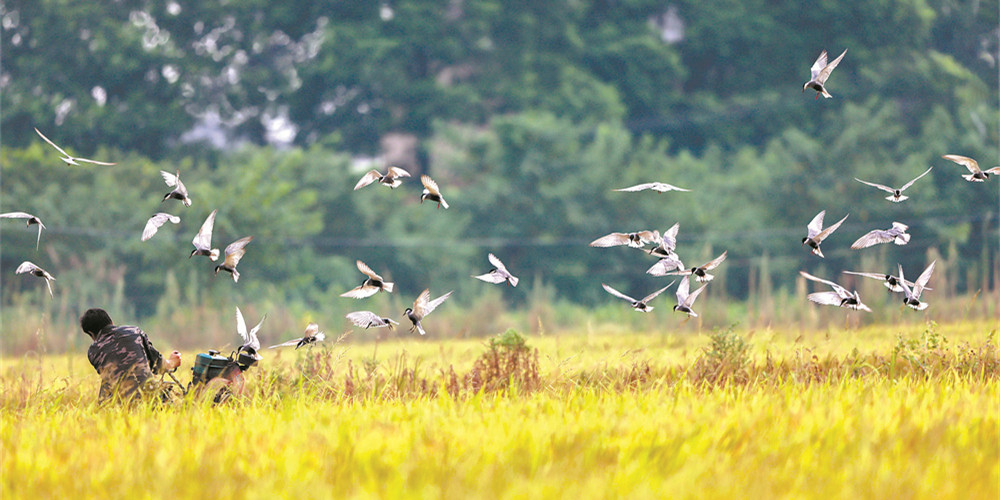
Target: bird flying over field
point(638, 305)
point(30, 268)
point(668, 244)
point(179, 192)
point(154, 223)
point(819, 72)
point(372, 284)
point(701, 272)
point(634, 240)
point(234, 252)
point(203, 240)
point(895, 195)
point(368, 319)
point(839, 297)
point(391, 178)
point(686, 298)
point(432, 192)
point(311, 336)
point(975, 173)
point(422, 307)
point(655, 186)
point(251, 344)
point(816, 234)
point(891, 282)
point(498, 274)
point(66, 158)
point(911, 297)
point(31, 219)
point(896, 234)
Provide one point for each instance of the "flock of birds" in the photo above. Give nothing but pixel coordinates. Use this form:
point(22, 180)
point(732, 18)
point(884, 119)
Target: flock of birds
point(663, 246)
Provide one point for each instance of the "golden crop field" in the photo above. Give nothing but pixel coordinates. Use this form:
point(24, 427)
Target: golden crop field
point(879, 412)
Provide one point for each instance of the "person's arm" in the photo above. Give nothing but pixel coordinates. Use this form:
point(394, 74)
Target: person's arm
point(157, 364)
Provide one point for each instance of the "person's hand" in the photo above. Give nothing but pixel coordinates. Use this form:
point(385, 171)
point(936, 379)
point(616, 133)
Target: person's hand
point(173, 361)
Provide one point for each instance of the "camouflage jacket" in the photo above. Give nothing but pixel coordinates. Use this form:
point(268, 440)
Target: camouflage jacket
point(126, 361)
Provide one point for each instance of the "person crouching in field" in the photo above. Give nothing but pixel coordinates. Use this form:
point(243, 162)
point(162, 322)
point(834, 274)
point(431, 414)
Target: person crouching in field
point(124, 358)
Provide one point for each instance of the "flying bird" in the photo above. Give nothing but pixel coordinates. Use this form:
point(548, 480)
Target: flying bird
point(634, 240)
point(368, 319)
point(816, 234)
point(154, 223)
point(911, 297)
point(891, 282)
point(179, 192)
point(668, 244)
point(638, 305)
point(498, 274)
point(895, 195)
point(311, 336)
point(251, 344)
point(664, 266)
point(431, 192)
point(896, 234)
point(819, 72)
point(976, 174)
point(839, 297)
point(701, 272)
point(30, 268)
point(655, 186)
point(203, 240)
point(234, 252)
point(422, 307)
point(685, 298)
point(392, 178)
point(31, 219)
point(372, 285)
point(70, 160)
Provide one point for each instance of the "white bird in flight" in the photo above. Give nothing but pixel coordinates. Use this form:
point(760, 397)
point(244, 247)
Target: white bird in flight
point(71, 160)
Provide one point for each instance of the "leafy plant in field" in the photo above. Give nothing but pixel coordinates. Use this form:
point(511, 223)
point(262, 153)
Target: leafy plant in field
point(507, 362)
point(727, 357)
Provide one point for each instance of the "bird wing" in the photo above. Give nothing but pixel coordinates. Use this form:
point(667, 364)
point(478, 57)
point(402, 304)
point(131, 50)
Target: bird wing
point(16, 215)
point(818, 280)
point(432, 305)
point(430, 185)
point(496, 263)
point(241, 326)
point(816, 224)
point(420, 304)
point(818, 66)
point(663, 187)
point(398, 172)
point(670, 237)
point(51, 143)
point(654, 294)
point(616, 293)
point(367, 179)
point(610, 240)
point(170, 179)
point(689, 300)
point(921, 282)
point(714, 263)
point(648, 236)
point(908, 184)
point(365, 319)
point(822, 235)
point(286, 344)
point(825, 72)
point(825, 298)
point(492, 277)
point(683, 289)
point(965, 161)
point(236, 249)
point(663, 266)
point(95, 162)
point(312, 330)
point(637, 187)
point(26, 267)
point(880, 186)
point(360, 292)
point(367, 271)
point(872, 238)
point(254, 341)
point(203, 240)
point(155, 222)
point(877, 276)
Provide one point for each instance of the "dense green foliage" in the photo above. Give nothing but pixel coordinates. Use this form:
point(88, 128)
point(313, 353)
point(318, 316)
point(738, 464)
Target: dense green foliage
point(526, 113)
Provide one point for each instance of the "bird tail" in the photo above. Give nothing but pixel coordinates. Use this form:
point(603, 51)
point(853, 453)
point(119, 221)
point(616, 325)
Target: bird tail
point(513, 281)
point(236, 276)
point(972, 178)
point(819, 252)
point(826, 94)
point(704, 279)
point(388, 286)
point(49, 284)
point(214, 255)
point(421, 329)
point(444, 203)
point(902, 239)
